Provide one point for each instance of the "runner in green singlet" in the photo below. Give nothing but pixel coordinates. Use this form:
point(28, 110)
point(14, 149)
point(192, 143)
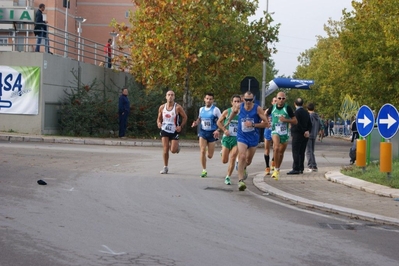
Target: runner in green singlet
point(282, 115)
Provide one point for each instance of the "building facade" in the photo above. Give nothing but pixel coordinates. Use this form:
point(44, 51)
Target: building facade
point(62, 22)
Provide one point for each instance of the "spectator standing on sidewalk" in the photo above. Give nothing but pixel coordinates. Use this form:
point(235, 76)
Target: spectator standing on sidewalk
point(326, 127)
point(355, 133)
point(168, 121)
point(123, 111)
point(229, 139)
point(316, 127)
point(282, 115)
point(300, 135)
point(208, 132)
point(331, 127)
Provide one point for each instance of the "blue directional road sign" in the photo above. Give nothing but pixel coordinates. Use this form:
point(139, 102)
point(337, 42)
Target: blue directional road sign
point(388, 121)
point(364, 121)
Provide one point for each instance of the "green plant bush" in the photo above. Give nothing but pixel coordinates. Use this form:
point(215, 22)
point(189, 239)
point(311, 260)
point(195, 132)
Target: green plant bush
point(92, 110)
point(373, 174)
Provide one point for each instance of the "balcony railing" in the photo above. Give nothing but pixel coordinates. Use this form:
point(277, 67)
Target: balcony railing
point(20, 37)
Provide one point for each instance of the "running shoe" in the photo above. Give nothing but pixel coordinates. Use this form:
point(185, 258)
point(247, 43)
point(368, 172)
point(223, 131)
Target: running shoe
point(227, 180)
point(241, 185)
point(267, 171)
point(245, 174)
point(164, 170)
point(276, 175)
point(204, 173)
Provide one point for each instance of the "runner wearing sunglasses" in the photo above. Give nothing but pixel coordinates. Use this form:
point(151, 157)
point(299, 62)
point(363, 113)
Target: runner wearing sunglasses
point(282, 115)
point(251, 117)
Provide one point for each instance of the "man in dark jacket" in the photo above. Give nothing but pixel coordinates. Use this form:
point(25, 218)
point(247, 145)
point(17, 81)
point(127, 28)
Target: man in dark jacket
point(40, 28)
point(123, 111)
point(316, 127)
point(355, 133)
point(300, 134)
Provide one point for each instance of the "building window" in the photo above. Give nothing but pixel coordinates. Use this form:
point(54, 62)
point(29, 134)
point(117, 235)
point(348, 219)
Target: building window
point(127, 14)
point(3, 41)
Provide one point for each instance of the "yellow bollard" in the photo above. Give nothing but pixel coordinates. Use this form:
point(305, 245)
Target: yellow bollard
point(385, 157)
point(361, 153)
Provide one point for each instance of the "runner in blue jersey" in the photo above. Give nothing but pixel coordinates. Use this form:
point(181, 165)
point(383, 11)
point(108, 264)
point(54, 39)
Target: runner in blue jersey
point(250, 117)
point(208, 132)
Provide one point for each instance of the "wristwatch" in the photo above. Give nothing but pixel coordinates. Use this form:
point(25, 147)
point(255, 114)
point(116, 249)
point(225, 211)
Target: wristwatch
point(253, 124)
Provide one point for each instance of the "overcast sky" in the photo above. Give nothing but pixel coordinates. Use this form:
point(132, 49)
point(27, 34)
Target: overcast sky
point(301, 21)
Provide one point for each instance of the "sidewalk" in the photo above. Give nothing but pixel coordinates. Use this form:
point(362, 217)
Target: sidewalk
point(331, 191)
point(326, 190)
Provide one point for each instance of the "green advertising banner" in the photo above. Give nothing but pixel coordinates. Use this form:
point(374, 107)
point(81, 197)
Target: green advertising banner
point(17, 15)
point(19, 90)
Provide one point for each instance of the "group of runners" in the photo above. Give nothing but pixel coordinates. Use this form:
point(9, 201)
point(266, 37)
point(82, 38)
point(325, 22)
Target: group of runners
point(240, 125)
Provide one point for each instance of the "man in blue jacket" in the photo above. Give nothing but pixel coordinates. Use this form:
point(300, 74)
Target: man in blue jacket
point(123, 111)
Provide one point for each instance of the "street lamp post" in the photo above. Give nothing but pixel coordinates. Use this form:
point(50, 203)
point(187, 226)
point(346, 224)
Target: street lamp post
point(264, 63)
point(80, 20)
point(66, 32)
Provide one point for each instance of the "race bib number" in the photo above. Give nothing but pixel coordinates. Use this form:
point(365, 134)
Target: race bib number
point(206, 124)
point(281, 128)
point(168, 127)
point(233, 128)
point(245, 128)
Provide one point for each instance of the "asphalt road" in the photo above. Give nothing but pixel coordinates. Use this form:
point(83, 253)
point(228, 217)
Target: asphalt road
point(108, 205)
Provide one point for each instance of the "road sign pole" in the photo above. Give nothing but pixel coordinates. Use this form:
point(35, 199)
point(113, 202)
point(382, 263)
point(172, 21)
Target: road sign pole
point(368, 149)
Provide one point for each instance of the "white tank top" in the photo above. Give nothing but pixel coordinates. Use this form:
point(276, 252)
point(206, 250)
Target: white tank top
point(169, 119)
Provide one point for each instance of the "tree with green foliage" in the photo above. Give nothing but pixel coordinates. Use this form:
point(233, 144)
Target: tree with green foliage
point(194, 46)
point(357, 58)
point(370, 43)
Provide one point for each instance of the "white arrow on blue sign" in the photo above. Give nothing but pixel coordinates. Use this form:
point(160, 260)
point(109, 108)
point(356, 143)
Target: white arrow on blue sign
point(388, 121)
point(364, 121)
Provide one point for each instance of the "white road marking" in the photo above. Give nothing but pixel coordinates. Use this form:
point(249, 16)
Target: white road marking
point(110, 251)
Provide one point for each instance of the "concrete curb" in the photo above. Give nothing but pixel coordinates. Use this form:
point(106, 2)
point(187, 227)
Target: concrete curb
point(337, 177)
point(352, 213)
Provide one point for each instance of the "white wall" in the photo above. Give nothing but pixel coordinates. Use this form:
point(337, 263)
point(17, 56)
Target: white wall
point(56, 76)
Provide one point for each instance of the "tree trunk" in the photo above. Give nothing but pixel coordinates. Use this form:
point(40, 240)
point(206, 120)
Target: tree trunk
point(186, 93)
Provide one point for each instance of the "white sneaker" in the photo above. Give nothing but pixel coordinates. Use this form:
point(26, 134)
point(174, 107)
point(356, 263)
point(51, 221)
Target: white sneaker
point(164, 170)
point(309, 170)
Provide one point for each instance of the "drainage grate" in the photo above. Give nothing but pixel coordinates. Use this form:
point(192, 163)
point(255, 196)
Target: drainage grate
point(340, 226)
point(219, 189)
